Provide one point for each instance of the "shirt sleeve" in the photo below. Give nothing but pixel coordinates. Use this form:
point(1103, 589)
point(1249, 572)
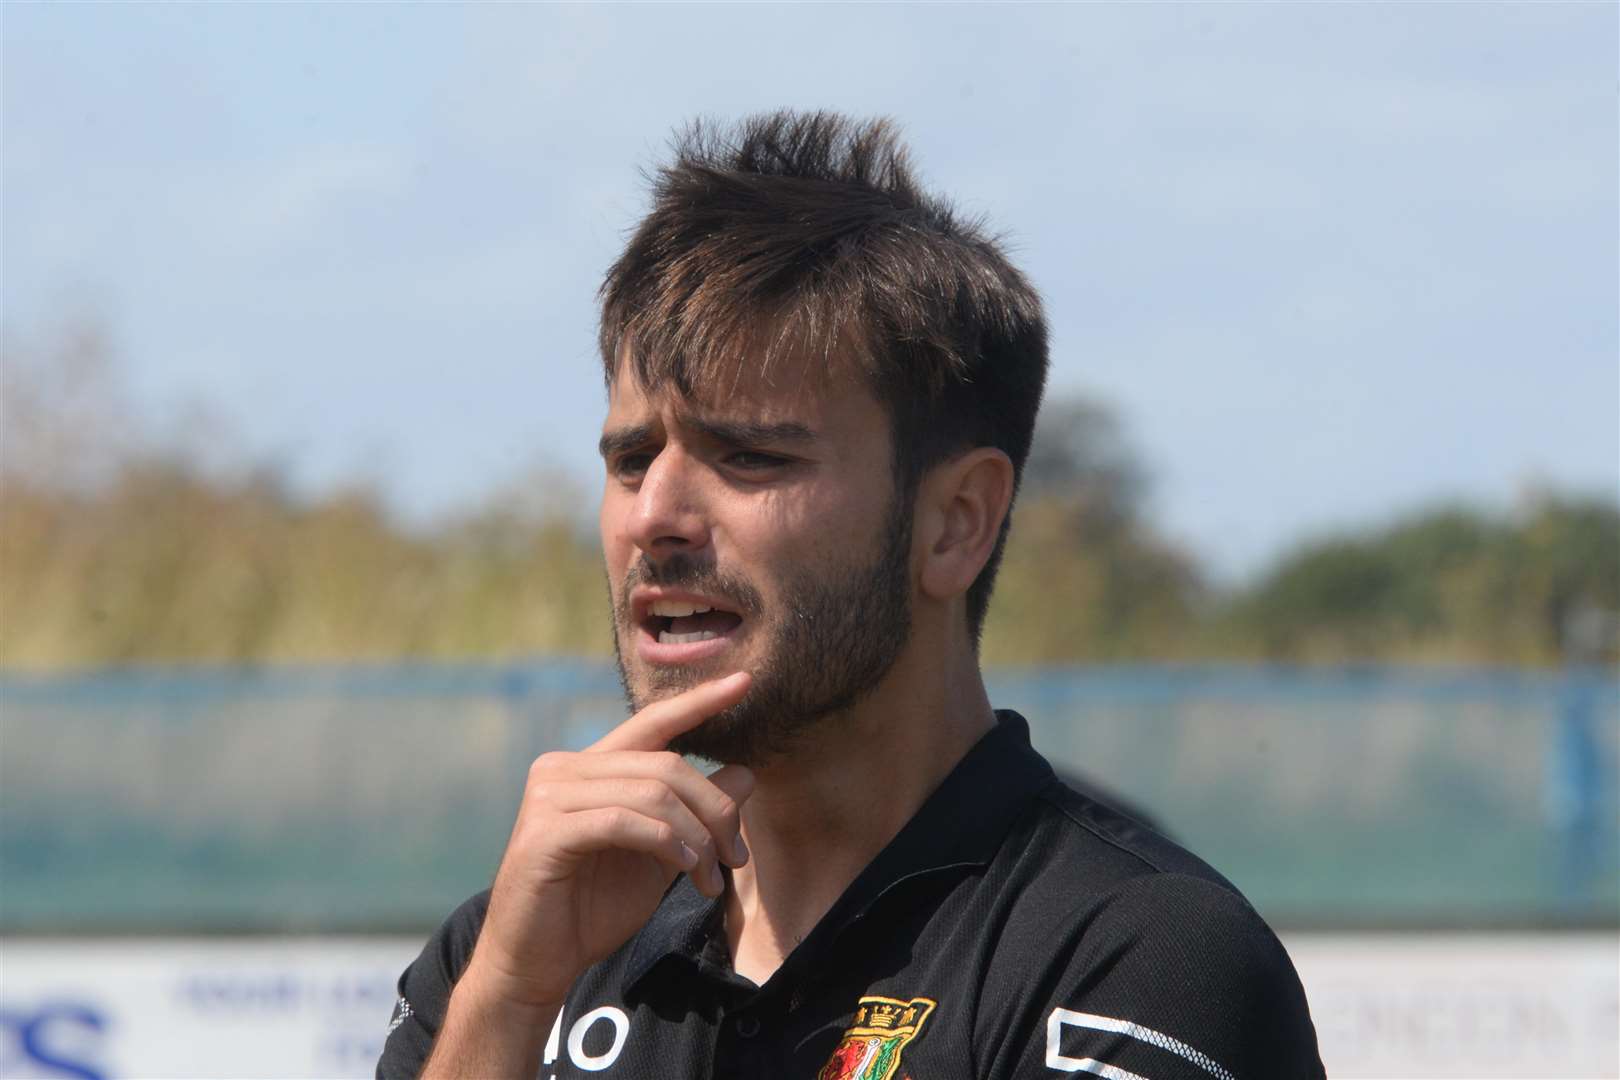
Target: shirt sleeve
point(424, 992)
point(1169, 977)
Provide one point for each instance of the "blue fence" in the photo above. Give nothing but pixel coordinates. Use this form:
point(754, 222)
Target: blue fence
point(375, 798)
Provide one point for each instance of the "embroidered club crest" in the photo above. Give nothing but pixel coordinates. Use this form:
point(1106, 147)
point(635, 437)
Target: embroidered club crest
point(871, 1048)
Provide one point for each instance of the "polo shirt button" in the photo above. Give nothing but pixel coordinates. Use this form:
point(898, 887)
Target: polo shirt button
point(747, 1027)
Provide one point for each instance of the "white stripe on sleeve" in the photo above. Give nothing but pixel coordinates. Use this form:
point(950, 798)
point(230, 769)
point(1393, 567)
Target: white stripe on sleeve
point(1057, 1060)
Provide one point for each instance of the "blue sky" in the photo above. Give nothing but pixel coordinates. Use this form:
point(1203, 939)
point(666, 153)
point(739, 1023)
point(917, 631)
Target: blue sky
point(1329, 261)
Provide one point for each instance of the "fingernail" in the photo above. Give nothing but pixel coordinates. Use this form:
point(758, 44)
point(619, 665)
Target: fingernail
point(719, 879)
point(689, 858)
point(739, 851)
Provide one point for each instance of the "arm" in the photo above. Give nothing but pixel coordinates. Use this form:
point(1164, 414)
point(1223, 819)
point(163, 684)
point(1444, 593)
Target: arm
point(599, 838)
point(488, 1032)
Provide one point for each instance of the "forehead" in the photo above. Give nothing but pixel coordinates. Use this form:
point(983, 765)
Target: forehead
point(822, 400)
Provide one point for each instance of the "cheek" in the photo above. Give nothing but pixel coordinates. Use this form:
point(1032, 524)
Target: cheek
point(821, 525)
point(616, 545)
point(611, 517)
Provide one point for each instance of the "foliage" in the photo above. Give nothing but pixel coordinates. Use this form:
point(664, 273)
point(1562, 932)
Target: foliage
point(115, 549)
point(1449, 584)
point(167, 565)
point(1083, 577)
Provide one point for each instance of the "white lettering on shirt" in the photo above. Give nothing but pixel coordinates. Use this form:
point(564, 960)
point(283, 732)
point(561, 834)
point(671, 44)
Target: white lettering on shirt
point(576, 1039)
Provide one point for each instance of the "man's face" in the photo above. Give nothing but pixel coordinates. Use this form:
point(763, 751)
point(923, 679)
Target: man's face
point(758, 531)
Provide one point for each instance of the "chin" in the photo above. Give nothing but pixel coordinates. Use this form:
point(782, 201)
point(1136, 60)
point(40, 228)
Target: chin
point(726, 739)
point(659, 684)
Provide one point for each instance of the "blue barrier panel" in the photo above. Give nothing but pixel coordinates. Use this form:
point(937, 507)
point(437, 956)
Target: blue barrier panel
point(377, 797)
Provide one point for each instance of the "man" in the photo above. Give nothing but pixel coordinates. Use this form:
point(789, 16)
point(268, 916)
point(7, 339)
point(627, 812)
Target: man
point(821, 389)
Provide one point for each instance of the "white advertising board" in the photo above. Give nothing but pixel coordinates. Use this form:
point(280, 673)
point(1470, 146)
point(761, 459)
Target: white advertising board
point(1425, 1006)
point(1432, 1006)
point(197, 1007)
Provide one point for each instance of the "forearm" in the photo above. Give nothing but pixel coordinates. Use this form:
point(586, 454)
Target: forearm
point(488, 1034)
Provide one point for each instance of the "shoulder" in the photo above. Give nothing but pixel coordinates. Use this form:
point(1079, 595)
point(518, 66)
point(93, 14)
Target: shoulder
point(1178, 970)
point(1124, 949)
point(423, 992)
point(1177, 944)
point(1082, 827)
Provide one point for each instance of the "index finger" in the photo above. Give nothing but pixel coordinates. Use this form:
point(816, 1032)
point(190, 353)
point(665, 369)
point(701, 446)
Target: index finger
point(653, 727)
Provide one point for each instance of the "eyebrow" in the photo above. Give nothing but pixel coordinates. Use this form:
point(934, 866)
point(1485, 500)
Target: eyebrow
point(746, 434)
point(617, 441)
point(733, 433)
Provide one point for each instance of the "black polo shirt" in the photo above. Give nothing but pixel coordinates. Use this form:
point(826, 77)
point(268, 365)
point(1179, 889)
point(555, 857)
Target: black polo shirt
point(1013, 928)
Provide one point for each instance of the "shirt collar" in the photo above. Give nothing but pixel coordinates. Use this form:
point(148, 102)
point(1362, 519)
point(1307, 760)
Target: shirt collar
point(960, 826)
point(681, 926)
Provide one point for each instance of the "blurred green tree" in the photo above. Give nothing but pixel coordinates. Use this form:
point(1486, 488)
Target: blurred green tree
point(117, 547)
point(1084, 577)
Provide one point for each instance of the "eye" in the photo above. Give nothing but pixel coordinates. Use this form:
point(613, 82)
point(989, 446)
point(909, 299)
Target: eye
point(632, 465)
point(753, 461)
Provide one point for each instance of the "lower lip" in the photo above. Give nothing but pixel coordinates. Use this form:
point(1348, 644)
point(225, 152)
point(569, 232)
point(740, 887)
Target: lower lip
point(653, 651)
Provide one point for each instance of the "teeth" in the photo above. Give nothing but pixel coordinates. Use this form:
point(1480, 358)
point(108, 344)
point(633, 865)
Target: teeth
point(667, 638)
point(675, 609)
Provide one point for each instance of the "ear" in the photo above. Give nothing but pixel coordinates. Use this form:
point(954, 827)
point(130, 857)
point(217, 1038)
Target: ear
point(960, 507)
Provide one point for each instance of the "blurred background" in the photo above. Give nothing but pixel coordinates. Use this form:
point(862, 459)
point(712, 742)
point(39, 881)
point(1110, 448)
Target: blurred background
point(1318, 561)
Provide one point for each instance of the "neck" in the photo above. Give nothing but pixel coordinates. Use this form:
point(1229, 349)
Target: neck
point(819, 815)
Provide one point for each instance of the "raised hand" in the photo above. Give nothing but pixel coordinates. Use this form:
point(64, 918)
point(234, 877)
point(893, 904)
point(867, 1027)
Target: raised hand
point(599, 837)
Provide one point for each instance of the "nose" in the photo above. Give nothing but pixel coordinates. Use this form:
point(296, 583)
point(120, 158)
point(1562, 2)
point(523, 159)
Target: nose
point(669, 515)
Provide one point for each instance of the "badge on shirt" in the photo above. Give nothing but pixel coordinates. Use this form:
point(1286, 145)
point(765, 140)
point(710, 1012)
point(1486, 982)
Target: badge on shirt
point(871, 1048)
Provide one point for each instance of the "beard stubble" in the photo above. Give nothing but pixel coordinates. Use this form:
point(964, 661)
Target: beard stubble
point(833, 636)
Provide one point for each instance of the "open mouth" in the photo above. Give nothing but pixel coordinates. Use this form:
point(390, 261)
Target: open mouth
point(682, 622)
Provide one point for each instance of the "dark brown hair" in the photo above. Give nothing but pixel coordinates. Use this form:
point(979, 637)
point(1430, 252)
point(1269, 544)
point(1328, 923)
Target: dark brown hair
point(806, 234)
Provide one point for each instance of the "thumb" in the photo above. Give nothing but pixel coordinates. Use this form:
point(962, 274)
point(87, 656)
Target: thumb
point(737, 781)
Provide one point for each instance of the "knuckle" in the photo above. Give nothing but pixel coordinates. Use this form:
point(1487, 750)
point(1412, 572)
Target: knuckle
point(546, 794)
point(666, 798)
point(545, 765)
